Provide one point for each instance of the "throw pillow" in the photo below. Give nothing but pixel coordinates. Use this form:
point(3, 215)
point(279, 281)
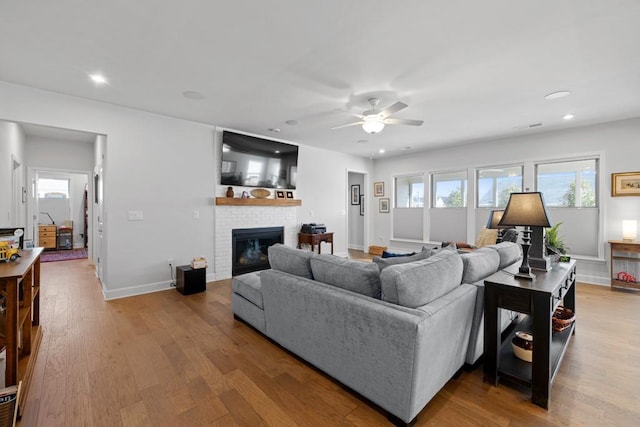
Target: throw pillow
point(386, 254)
point(356, 276)
point(486, 237)
point(451, 247)
point(383, 263)
point(418, 283)
point(290, 260)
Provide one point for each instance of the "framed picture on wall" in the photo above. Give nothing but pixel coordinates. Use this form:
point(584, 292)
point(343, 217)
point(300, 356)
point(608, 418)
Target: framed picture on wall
point(383, 205)
point(279, 194)
point(378, 189)
point(625, 184)
point(362, 205)
point(355, 194)
point(289, 194)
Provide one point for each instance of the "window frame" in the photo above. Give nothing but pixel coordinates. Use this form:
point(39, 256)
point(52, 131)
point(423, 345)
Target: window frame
point(465, 190)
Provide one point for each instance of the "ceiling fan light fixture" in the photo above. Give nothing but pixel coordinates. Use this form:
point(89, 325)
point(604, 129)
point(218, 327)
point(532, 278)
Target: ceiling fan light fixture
point(372, 125)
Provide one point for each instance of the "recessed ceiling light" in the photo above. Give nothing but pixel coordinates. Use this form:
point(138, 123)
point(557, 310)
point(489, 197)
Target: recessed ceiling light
point(406, 148)
point(192, 94)
point(381, 151)
point(362, 141)
point(274, 130)
point(277, 151)
point(568, 116)
point(98, 79)
point(557, 95)
point(292, 122)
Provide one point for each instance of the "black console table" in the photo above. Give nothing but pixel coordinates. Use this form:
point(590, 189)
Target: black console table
point(537, 299)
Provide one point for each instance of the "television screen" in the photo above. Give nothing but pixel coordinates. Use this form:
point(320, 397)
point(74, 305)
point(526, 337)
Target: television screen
point(255, 162)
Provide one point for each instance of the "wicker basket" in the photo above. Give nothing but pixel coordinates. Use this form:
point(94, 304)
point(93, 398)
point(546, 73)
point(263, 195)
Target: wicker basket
point(562, 318)
point(377, 250)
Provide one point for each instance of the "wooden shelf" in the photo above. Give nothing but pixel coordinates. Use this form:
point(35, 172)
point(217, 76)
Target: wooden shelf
point(237, 201)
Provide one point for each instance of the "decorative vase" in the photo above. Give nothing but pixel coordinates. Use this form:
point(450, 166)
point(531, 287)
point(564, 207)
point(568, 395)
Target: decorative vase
point(522, 344)
point(229, 191)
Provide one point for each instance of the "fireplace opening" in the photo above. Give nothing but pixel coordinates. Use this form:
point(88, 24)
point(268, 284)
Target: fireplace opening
point(250, 248)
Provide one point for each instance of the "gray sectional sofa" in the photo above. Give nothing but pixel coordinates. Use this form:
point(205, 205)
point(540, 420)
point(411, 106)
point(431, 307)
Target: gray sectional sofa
point(394, 330)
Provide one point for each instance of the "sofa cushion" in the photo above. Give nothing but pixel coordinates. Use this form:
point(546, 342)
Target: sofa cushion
point(420, 282)
point(479, 264)
point(386, 254)
point(446, 246)
point(290, 260)
point(509, 253)
point(356, 276)
point(383, 263)
point(248, 286)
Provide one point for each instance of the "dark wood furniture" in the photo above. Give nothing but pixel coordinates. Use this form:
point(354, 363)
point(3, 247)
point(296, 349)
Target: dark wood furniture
point(65, 237)
point(627, 262)
point(20, 286)
point(315, 239)
point(190, 280)
point(537, 299)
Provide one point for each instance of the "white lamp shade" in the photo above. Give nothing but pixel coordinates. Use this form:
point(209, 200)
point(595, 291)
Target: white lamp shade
point(629, 229)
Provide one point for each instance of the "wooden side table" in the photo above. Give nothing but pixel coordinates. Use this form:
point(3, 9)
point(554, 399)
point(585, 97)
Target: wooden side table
point(537, 299)
point(625, 264)
point(315, 239)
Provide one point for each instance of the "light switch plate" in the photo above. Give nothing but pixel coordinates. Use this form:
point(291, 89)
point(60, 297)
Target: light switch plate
point(136, 216)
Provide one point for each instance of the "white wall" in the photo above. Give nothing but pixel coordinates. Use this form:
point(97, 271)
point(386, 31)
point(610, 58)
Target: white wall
point(167, 168)
point(616, 141)
point(12, 142)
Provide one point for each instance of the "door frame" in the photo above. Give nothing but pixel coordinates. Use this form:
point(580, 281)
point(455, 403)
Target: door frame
point(367, 210)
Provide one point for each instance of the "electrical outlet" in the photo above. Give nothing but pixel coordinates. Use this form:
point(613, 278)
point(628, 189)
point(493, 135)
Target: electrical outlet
point(170, 262)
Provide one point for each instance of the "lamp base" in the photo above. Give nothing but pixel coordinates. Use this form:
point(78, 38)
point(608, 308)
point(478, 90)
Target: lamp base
point(525, 276)
point(543, 263)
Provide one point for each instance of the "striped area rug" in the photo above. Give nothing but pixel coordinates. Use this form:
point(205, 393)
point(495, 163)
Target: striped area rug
point(51, 256)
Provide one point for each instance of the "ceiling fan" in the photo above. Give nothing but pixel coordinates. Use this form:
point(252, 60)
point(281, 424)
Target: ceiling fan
point(373, 120)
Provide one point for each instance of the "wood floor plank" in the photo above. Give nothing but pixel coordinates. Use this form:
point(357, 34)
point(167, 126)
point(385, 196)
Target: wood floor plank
point(165, 359)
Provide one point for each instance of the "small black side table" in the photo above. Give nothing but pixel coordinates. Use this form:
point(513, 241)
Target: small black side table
point(190, 281)
point(538, 299)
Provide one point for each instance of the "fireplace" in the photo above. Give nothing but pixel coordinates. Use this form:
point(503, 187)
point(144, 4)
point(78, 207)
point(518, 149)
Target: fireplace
point(249, 248)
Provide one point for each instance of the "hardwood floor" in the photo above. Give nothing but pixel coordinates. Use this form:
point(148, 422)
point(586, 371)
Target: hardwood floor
point(164, 359)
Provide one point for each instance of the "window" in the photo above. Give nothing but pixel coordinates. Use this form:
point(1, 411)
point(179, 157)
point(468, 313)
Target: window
point(409, 191)
point(450, 190)
point(568, 184)
point(50, 188)
point(496, 184)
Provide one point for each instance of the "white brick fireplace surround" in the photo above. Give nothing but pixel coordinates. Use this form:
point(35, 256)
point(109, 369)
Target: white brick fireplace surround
point(229, 217)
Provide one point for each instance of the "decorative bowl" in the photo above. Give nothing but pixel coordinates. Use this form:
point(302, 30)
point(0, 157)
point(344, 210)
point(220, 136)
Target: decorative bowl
point(562, 318)
point(260, 193)
point(522, 344)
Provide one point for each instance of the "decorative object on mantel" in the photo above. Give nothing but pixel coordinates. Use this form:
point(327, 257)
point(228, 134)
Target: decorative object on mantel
point(625, 184)
point(289, 194)
point(260, 193)
point(522, 345)
point(245, 195)
point(280, 194)
point(254, 201)
point(230, 192)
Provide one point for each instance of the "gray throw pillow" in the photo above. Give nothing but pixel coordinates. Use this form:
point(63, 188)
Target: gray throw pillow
point(356, 276)
point(290, 260)
point(479, 264)
point(450, 247)
point(420, 282)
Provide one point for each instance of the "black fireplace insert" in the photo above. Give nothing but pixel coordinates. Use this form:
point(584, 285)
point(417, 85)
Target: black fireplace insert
point(250, 248)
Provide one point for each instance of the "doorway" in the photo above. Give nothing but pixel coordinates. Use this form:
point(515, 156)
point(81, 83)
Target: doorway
point(357, 211)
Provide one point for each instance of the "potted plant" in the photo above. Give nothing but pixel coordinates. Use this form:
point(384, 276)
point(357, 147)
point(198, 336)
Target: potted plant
point(553, 242)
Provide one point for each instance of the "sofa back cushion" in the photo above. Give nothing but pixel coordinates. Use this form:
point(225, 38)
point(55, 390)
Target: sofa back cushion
point(290, 260)
point(420, 282)
point(386, 262)
point(356, 276)
point(479, 264)
point(509, 253)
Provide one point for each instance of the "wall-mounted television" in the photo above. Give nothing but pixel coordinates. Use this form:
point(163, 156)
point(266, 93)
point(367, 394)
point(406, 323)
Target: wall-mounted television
point(256, 162)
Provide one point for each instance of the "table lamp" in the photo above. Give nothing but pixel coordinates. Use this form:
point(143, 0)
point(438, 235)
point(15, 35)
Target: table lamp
point(492, 223)
point(528, 210)
point(629, 230)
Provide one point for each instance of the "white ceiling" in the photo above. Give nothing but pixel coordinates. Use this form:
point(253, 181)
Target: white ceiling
point(472, 70)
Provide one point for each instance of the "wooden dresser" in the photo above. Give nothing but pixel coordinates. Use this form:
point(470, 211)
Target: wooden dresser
point(47, 236)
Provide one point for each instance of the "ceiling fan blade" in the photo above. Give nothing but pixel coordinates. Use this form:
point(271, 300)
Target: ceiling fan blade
point(394, 108)
point(347, 125)
point(409, 122)
point(351, 113)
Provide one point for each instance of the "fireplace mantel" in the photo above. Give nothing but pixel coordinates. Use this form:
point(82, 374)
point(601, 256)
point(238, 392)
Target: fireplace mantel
point(238, 201)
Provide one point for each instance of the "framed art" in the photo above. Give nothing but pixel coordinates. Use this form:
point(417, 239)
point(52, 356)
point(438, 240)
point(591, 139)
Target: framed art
point(362, 205)
point(625, 184)
point(378, 189)
point(279, 194)
point(355, 194)
point(383, 205)
point(289, 194)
